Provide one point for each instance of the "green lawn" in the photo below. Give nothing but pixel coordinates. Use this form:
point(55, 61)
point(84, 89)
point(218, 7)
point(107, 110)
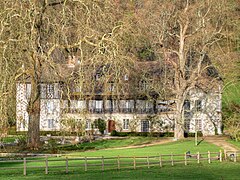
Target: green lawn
point(224, 170)
point(103, 144)
point(179, 147)
point(192, 171)
point(237, 144)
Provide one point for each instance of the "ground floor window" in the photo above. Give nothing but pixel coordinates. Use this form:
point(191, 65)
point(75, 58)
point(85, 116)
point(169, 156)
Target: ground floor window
point(144, 126)
point(50, 123)
point(88, 125)
point(198, 124)
point(187, 124)
point(125, 124)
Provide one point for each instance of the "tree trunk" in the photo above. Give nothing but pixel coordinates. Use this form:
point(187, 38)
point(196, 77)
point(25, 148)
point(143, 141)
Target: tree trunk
point(33, 141)
point(178, 130)
point(179, 119)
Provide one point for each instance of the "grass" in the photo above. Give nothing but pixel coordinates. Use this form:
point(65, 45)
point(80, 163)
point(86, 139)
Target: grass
point(216, 170)
point(103, 144)
point(10, 139)
point(235, 143)
point(231, 94)
point(179, 147)
point(193, 171)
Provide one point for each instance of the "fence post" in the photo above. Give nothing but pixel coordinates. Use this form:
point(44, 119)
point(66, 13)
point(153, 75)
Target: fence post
point(148, 162)
point(172, 158)
point(209, 157)
point(185, 159)
point(220, 155)
point(225, 154)
point(85, 164)
point(24, 166)
point(198, 157)
point(160, 160)
point(102, 163)
point(118, 162)
point(134, 162)
point(235, 156)
point(66, 164)
point(46, 163)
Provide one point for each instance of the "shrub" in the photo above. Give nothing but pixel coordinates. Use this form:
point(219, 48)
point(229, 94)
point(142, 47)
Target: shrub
point(190, 134)
point(114, 133)
point(101, 124)
point(144, 134)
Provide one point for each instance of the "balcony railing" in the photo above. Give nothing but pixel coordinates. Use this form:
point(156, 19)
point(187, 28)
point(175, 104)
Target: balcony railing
point(111, 110)
point(126, 110)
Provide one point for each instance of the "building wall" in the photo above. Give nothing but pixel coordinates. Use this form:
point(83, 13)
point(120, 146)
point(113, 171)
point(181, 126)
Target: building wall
point(206, 119)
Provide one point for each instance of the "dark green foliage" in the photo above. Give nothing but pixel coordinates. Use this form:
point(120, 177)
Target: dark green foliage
point(199, 133)
point(101, 124)
point(144, 134)
point(51, 146)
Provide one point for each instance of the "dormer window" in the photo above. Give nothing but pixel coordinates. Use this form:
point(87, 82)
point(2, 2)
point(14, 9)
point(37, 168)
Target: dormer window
point(126, 77)
point(98, 76)
point(198, 105)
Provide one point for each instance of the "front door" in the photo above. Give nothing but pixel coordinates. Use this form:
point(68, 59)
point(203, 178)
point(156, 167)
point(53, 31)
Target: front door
point(111, 125)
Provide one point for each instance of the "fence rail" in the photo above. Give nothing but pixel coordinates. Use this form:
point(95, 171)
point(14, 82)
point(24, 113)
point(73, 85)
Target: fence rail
point(48, 163)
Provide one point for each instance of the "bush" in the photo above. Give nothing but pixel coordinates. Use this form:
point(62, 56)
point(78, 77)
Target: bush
point(114, 133)
point(144, 134)
point(190, 134)
point(22, 141)
point(101, 124)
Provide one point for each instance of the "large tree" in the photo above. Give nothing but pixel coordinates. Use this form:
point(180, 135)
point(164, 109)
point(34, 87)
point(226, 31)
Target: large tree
point(184, 34)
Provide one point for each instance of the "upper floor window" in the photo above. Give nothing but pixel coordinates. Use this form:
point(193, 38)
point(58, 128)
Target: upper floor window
point(98, 76)
point(49, 91)
point(198, 105)
point(126, 77)
point(186, 105)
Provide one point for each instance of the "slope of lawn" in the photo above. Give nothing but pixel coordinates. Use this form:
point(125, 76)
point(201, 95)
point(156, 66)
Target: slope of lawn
point(111, 143)
point(235, 143)
point(179, 147)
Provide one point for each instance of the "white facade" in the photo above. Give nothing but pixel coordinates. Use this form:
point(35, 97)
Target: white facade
point(202, 112)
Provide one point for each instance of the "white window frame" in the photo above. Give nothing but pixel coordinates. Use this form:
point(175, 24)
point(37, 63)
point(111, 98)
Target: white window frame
point(125, 124)
point(88, 125)
point(142, 125)
point(50, 123)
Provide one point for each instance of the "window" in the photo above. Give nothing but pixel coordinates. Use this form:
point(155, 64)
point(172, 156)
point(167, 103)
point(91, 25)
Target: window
point(126, 77)
point(198, 124)
point(187, 124)
point(142, 85)
point(198, 105)
point(111, 87)
point(28, 90)
point(49, 91)
point(98, 106)
point(50, 123)
point(186, 105)
point(125, 124)
point(145, 126)
point(98, 76)
point(88, 125)
point(50, 107)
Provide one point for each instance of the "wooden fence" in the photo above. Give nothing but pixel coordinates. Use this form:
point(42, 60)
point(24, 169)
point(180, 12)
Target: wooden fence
point(49, 163)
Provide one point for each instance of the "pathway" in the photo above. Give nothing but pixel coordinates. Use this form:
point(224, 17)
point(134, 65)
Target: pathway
point(221, 142)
